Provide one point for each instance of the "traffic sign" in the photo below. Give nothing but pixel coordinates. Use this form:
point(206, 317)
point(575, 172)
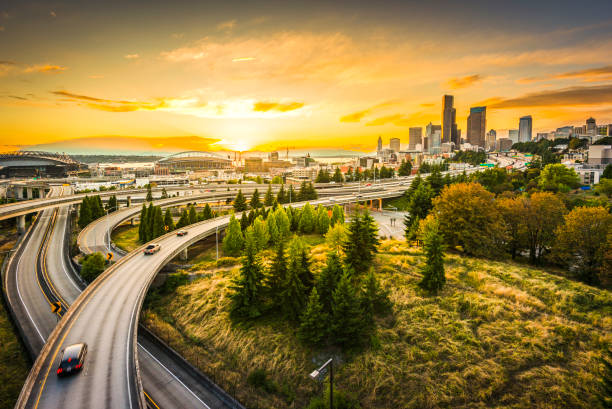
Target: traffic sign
point(109, 256)
point(56, 307)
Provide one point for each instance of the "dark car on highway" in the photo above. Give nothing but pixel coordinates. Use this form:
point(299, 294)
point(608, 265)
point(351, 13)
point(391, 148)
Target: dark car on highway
point(181, 233)
point(72, 359)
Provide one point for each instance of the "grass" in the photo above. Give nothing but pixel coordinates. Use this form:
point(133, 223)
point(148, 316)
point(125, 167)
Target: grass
point(125, 237)
point(14, 361)
point(499, 335)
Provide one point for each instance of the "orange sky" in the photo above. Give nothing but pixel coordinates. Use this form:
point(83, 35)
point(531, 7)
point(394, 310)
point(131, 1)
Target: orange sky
point(273, 77)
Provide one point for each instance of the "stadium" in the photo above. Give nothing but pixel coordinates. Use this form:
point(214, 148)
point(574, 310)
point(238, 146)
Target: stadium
point(36, 164)
point(194, 161)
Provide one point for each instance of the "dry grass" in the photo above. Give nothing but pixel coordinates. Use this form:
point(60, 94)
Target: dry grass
point(498, 335)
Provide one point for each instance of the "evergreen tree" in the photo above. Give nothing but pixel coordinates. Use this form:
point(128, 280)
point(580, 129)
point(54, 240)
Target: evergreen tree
point(300, 264)
point(112, 204)
point(183, 220)
point(413, 186)
point(252, 217)
point(142, 224)
point(96, 206)
point(347, 321)
point(323, 176)
point(149, 193)
point(303, 193)
point(164, 194)
point(240, 204)
point(353, 246)
point(84, 213)
point(275, 236)
point(338, 176)
point(277, 276)
point(405, 168)
point(337, 215)
point(193, 215)
point(294, 218)
point(421, 201)
point(349, 175)
point(158, 222)
point(433, 271)
point(207, 213)
point(269, 197)
point(255, 202)
point(233, 240)
point(246, 295)
point(370, 237)
point(311, 192)
point(244, 221)
point(261, 234)
point(375, 299)
point(307, 219)
point(283, 223)
point(322, 220)
point(291, 196)
point(328, 280)
point(294, 292)
point(168, 222)
point(314, 321)
point(435, 181)
point(411, 227)
point(149, 223)
point(281, 195)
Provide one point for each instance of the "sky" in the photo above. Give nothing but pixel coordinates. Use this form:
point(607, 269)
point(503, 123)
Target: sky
point(276, 74)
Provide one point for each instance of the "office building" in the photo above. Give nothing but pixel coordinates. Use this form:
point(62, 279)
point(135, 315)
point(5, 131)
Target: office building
point(600, 154)
point(253, 165)
point(415, 137)
point(513, 135)
point(525, 128)
point(449, 126)
point(379, 146)
point(394, 144)
point(591, 127)
point(490, 142)
point(430, 130)
point(602, 130)
point(476, 125)
point(503, 144)
point(273, 156)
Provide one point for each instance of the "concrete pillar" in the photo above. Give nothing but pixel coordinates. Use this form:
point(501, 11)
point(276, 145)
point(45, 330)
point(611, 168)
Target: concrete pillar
point(380, 204)
point(21, 224)
point(184, 254)
point(29, 193)
point(129, 201)
point(19, 192)
point(132, 221)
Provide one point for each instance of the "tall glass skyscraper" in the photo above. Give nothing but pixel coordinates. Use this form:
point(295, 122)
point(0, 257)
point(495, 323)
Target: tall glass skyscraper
point(525, 128)
point(476, 125)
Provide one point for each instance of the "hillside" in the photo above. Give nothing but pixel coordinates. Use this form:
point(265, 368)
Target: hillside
point(498, 335)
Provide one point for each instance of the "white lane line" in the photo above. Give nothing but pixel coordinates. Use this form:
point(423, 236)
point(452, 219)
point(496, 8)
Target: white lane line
point(174, 376)
point(64, 267)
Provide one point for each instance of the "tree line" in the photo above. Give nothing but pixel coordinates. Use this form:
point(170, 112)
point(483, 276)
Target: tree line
point(91, 209)
point(336, 306)
point(155, 223)
point(306, 192)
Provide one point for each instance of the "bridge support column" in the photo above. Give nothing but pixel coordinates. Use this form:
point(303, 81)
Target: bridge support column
point(21, 224)
point(129, 201)
point(19, 192)
point(184, 254)
point(380, 204)
point(29, 193)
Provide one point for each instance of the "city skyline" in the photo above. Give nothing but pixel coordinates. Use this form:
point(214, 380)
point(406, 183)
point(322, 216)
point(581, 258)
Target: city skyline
point(269, 77)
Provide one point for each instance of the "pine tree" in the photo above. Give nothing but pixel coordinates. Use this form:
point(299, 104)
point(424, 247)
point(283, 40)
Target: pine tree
point(353, 246)
point(307, 219)
point(112, 204)
point(149, 193)
point(142, 224)
point(233, 240)
point(84, 213)
point(347, 321)
point(302, 194)
point(370, 237)
point(375, 299)
point(207, 213)
point(277, 276)
point(294, 291)
point(337, 215)
point(283, 223)
point(244, 221)
point(240, 204)
point(183, 220)
point(433, 271)
point(322, 220)
point(338, 176)
point(255, 202)
point(411, 227)
point(291, 195)
point(168, 222)
point(96, 206)
point(193, 215)
point(246, 295)
point(158, 222)
point(405, 168)
point(421, 201)
point(294, 218)
point(252, 217)
point(149, 222)
point(314, 321)
point(311, 193)
point(275, 236)
point(281, 196)
point(261, 234)
point(328, 280)
point(269, 197)
point(164, 194)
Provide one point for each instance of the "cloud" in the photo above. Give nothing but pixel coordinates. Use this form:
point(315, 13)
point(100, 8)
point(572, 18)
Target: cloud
point(45, 68)
point(464, 82)
point(6, 66)
point(177, 35)
point(18, 97)
point(276, 106)
point(241, 59)
point(359, 115)
point(113, 105)
point(96, 76)
point(384, 120)
point(580, 95)
point(226, 25)
point(131, 56)
point(587, 75)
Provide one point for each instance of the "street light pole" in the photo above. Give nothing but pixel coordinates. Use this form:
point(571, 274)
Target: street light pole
point(315, 375)
point(217, 240)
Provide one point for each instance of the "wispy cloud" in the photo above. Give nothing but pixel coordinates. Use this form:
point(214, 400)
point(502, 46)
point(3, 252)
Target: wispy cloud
point(359, 115)
point(464, 82)
point(264, 106)
point(96, 76)
point(587, 75)
point(384, 120)
point(6, 66)
point(571, 96)
point(131, 56)
point(241, 59)
point(226, 25)
point(45, 68)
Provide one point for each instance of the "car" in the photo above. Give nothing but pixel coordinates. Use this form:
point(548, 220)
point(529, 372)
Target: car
point(72, 359)
point(152, 249)
point(181, 233)
point(368, 184)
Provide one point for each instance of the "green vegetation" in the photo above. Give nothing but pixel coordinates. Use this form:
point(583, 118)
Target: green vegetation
point(93, 265)
point(472, 157)
point(126, 237)
point(14, 362)
point(91, 209)
point(498, 334)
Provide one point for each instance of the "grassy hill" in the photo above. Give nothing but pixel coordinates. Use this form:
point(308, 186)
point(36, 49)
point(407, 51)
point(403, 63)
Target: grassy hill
point(499, 335)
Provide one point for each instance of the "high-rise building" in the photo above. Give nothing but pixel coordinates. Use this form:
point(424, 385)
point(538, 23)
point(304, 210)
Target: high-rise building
point(430, 131)
point(476, 125)
point(525, 127)
point(394, 144)
point(513, 135)
point(591, 126)
point(491, 138)
point(415, 136)
point(448, 119)
point(379, 147)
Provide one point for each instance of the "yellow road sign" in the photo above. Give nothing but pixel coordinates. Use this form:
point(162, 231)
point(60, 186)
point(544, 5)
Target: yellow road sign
point(109, 256)
point(56, 307)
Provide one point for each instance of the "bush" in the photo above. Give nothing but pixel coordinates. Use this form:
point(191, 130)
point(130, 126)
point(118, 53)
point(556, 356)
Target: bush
point(259, 379)
point(93, 266)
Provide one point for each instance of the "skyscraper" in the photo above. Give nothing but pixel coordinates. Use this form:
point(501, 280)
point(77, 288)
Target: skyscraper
point(448, 119)
point(525, 125)
point(476, 125)
point(379, 147)
point(394, 143)
point(513, 135)
point(415, 136)
point(430, 135)
point(491, 138)
point(591, 126)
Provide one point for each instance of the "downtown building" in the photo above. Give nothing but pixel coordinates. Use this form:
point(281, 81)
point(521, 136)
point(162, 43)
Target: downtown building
point(415, 137)
point(525, 129)
point(476, 125)
point(449, 124)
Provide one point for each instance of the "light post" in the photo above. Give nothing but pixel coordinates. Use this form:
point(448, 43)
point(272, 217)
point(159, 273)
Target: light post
point(217, 240)
point(317, 372)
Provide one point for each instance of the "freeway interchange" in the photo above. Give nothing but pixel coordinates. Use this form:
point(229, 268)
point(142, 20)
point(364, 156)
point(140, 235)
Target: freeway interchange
point(122, 369)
